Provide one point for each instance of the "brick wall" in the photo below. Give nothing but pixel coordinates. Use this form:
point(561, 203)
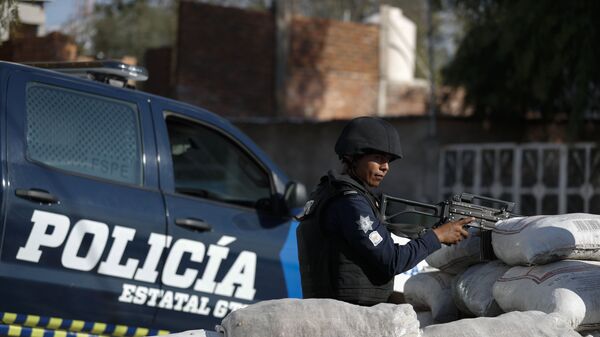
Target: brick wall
point(52, 47)
point(158, 64)
point(333, 69)
point(225, 63)
point(225, 60)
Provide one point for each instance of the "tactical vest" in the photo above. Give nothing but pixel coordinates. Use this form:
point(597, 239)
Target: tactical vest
point(328, 267)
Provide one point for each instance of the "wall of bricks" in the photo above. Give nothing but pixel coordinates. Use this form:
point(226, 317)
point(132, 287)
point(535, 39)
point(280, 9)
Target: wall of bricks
point(332, 70)
point(225, 60)
point(52, 47)
point(158, 63)
point(225, 63)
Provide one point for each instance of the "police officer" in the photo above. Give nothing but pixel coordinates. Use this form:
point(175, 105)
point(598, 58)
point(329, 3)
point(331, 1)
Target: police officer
point(345, 250)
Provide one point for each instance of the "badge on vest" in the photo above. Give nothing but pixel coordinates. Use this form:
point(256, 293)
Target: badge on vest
point(365, 223)
point(307, 209)
point(375, 238)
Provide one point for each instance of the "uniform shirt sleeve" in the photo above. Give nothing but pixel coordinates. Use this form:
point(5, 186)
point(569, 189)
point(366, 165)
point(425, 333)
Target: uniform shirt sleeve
point(352, 218)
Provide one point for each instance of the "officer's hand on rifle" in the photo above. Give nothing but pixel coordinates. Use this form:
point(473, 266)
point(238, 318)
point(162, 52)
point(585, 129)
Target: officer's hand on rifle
point(452, 232)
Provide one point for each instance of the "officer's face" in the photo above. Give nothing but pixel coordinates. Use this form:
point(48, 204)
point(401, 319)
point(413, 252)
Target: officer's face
point(372, 168)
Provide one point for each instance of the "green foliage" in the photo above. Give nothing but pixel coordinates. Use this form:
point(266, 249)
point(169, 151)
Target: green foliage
point(521, 57)
point(129, 27)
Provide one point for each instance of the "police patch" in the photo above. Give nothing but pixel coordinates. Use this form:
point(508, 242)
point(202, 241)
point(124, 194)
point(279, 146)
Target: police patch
point(365, 223)
point(307, 209)
point(375, 238)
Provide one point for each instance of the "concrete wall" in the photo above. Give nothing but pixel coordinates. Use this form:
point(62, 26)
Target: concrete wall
point(305, 150)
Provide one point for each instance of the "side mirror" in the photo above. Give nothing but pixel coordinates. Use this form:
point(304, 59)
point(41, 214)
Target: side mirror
point(295, 196)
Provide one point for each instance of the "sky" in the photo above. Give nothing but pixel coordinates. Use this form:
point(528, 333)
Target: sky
point(58, 12)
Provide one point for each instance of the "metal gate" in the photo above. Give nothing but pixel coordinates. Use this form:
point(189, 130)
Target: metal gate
point(541, 178)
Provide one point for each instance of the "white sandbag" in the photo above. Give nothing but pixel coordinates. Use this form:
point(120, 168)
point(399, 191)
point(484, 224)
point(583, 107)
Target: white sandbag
point(432, 291)
point(425, 318)
point(472, 290)
point(512, 324)
point(320, 317)
point(194, 333)
point(456, 258)
point(546, 238)
point(570, 288)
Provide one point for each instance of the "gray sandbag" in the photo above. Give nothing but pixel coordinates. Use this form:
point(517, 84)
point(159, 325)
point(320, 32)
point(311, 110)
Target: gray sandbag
point(456, 258)
point(547, 238)
point(432, 291)
point(425, 318)
point(472, 290)
point(194, 333)
point(570, 288)
point(512, 324)
point(320, 317)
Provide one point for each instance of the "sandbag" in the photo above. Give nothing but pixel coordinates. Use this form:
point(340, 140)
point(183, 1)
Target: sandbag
point(456, 258)
point(512, 324)
point(472, 290)
point(320, 317)
point(546, 238)
point(425, 318)
point(194, 333)
point(570, 288)
point(432, 291)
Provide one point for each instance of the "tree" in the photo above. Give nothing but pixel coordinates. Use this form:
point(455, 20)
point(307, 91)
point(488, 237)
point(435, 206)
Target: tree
point(521, 58)
point(130, 27)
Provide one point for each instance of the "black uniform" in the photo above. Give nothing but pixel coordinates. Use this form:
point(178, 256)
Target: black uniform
point(345, 250)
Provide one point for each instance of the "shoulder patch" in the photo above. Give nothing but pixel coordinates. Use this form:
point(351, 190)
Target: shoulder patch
point(350, 192)
point(375, 238)
point(365, 223)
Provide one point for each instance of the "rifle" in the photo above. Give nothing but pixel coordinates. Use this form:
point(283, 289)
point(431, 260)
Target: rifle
point(411, 218)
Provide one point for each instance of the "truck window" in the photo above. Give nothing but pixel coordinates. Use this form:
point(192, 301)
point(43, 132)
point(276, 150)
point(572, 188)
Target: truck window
point(83, 133)
point(209, 165)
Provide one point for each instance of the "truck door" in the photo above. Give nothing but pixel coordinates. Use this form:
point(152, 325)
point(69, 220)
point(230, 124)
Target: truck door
point(85, 221)
point(226, 242)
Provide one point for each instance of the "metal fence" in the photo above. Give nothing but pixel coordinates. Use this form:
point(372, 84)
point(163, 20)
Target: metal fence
point(541, 178)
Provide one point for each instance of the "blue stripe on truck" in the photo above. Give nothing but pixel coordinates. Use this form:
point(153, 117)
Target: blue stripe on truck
point(289, 262)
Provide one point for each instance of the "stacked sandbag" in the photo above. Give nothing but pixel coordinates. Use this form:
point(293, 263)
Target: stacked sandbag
point(320, 317)
point(432, 291)
point(542, 279)
point(521, 324)
point(543, 239)
point(194, 333)
point(570, 288)
point(472, 289)
point(425, 318)
point(456, 258)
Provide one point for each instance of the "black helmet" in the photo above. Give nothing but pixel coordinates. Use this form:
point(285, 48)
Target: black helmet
point(364, 135)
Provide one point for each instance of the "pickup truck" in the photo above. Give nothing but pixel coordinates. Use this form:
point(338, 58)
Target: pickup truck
point(129, 214)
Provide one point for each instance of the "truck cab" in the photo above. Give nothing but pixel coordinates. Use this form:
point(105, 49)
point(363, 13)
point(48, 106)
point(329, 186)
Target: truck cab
point(129, 214)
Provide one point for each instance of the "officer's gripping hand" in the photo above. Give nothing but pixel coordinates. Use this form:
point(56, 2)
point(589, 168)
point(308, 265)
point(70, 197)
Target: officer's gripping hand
point(452, 232)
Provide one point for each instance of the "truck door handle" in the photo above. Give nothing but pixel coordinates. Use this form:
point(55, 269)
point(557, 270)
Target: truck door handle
point(194, 224)
point(36, 195)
